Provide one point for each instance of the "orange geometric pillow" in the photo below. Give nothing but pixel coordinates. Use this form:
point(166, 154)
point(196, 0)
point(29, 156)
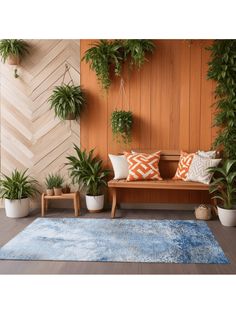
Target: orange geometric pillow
point(183, 166)
point(143, 166)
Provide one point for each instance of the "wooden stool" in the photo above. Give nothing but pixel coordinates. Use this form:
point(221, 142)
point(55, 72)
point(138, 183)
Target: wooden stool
point(65, 196)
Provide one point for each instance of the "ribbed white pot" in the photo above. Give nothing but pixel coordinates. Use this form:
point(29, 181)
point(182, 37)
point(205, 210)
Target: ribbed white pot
point(17, 208)
point(94, 203)
point(227, 216)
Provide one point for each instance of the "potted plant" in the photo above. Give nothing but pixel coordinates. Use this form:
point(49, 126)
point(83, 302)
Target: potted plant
point(57, 184)
point(66, 189)
point(88, 172)
point(67, 100)
point(223, 188)
point(17, 189)
point(49, 182)
point(121, 123)
point(12, 50)
point(105, 56)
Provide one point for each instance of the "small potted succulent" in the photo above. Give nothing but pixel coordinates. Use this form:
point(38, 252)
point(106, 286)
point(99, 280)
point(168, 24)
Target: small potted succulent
point(17, 189)
point(223, 188)
point(66, 188)
point(12, 50)
point(67, 100)
point(57, 184)
point(88, 172)
point(49, 182)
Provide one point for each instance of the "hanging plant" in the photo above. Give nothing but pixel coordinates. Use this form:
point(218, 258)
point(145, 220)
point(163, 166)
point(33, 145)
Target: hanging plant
point(108, 56)
point(67, 100)
point(12, 50)
point(222, 69)
point(137, 49)
point(102, 57)
point(121, 123)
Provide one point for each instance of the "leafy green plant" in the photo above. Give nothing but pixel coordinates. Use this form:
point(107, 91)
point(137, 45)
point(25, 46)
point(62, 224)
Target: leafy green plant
point(57, 180)
point(223, 185)
point(222, 69)
point(49, 181)
point(15, 47)
point(102, 56)
point(108, 56)
point(87, 171)
point(121, 123)
point(18, 185)
point(137, 49)
point(67, 101)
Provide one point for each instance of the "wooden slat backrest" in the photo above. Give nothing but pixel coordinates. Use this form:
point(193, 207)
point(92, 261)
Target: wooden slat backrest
point(167, 155)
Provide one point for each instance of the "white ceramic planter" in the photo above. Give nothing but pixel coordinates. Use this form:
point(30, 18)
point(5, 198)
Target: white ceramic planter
point(94, 203)
point(17, 208)
point(227, 216)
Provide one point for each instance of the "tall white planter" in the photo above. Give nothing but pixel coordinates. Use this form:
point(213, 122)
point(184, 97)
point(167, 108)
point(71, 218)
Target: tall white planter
point(17, 208)
point(94, 203)
point(227, 216)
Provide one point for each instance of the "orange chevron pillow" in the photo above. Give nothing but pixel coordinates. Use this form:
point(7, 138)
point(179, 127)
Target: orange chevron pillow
point(185, 161)
point(143, 166)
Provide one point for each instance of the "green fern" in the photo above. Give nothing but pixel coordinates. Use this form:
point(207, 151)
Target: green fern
point(16, 47)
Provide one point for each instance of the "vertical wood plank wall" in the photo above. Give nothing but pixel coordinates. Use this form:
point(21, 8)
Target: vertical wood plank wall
point(171, 100)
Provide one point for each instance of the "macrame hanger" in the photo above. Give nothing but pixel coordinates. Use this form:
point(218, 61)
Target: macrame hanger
point(67, 69)
point(122, 92)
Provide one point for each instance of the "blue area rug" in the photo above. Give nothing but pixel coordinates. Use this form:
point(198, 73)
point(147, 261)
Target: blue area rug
point(119, 240)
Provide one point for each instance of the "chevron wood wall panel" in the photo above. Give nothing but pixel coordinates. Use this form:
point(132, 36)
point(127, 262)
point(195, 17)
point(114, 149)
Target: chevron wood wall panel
point(30, 135)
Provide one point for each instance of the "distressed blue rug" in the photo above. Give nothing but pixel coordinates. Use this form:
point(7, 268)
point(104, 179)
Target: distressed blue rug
point(119, 240)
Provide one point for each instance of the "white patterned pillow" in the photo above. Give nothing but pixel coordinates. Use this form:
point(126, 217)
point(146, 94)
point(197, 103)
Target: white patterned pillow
point(198, 170)
point(206, 154)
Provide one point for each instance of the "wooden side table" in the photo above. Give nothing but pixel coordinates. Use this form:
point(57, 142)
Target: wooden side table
point(65, 196)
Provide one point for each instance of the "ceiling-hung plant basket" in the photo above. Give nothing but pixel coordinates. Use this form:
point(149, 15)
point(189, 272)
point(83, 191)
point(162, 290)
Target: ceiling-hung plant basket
point(67, 100)
point(121, 120)
point(12, 51)
point(106, 57)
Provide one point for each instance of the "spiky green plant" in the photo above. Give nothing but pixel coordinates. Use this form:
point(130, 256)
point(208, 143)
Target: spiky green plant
point(67, 101)
point(87, 171)
point(137, 49)
point(49, 181)
point(222, 69)
point(223, 186)
point(15, 47)
point(121, 123)
point(18, 185)
point(57, 180)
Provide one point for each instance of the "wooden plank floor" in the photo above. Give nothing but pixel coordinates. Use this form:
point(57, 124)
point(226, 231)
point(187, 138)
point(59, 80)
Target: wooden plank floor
point(11, 227)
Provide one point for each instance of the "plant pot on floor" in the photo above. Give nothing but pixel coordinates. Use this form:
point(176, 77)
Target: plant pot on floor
point(17, 208)
point(227, 216)
point(57, 191)
point(50, 192)
point(94, 203)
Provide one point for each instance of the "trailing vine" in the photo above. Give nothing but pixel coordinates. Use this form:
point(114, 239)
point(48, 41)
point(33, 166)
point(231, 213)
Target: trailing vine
point(121, 123)
point(222, 69)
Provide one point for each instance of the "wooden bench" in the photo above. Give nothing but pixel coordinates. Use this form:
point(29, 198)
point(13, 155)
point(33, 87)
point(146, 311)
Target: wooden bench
point(167, 165)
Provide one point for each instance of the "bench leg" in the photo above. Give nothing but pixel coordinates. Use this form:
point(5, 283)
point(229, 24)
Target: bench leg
point(76, 205)
point(42, 205)
point(113, 210)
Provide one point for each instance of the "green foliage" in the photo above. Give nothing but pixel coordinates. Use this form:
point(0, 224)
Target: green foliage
point(18, 185)
point(16, 47)
point(49, 181)
point(137, 49)
point(87, 171)
point(102, 56)
point(67, 100)
point(121, 123)
point(223, 185)
point(222, 69)
point(55, 180)
point(108, 56)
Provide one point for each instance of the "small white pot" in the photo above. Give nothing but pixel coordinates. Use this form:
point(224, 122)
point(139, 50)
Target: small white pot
point(17, 208)
point(94, 203)
point(227, 216)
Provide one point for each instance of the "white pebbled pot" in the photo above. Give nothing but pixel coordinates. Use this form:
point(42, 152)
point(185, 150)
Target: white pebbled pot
point(17, 208)
point(227, 216)
point(94, 203)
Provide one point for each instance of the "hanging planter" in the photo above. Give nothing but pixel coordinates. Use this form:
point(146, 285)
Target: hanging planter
point(121, 123)
point(12, 51)
point(106, 57)
point(67, 100)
